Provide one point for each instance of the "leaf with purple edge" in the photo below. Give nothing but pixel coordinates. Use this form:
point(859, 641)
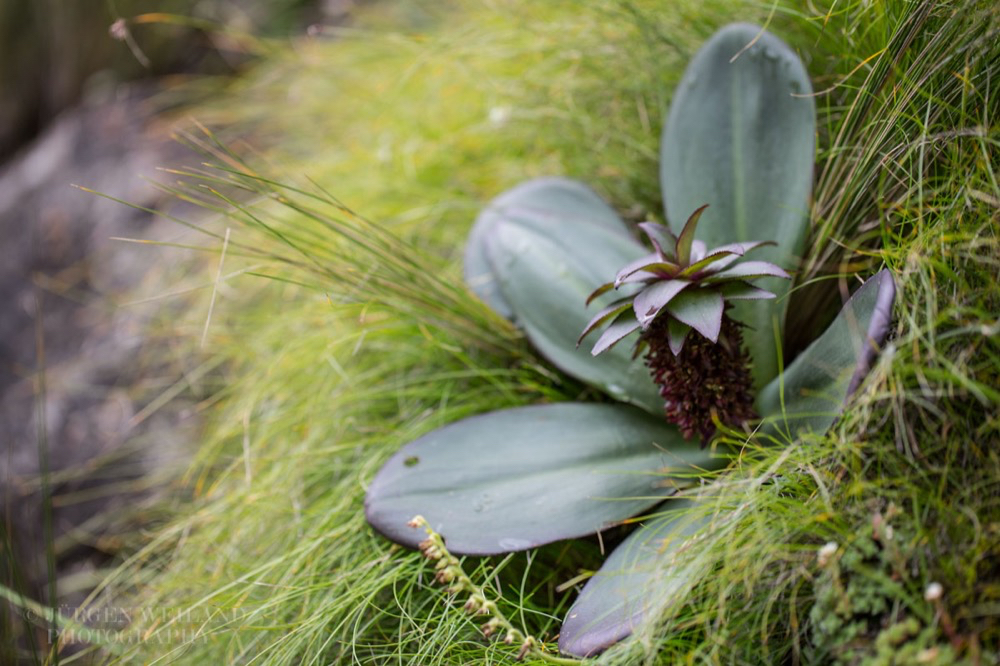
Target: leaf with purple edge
point(749, 270)
point(742, 291)
point(734, 252)
point(648, 302)
point(810, 394)
point(600, 291)
point(661, 237)
point(743, 248)
point(616, 308)
point(638, 580)
point(701, 309)
point(707, 260)
point(651, 263)
point(686, 237)
point(623, 326)
point(639, 276)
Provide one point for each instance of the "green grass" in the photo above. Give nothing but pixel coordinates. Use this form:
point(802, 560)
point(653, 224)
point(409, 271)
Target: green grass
point(364, 338)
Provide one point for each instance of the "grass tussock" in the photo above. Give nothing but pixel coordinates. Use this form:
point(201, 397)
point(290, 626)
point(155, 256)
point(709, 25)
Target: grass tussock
point(363, 338)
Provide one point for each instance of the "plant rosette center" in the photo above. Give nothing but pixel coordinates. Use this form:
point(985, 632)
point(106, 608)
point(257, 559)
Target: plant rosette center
point(739, 136)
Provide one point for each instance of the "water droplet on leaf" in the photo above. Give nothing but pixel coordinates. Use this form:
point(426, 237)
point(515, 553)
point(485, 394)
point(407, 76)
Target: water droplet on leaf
point(482, 503)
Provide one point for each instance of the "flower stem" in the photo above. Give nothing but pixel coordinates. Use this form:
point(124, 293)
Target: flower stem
point(449, 572)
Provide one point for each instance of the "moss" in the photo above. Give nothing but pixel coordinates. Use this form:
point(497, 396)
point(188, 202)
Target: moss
point(860, 614)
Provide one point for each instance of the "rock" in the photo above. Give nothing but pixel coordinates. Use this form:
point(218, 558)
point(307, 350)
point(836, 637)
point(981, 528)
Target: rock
point(61, 275)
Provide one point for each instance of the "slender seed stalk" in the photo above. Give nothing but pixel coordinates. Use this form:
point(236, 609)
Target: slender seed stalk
point(449, 571)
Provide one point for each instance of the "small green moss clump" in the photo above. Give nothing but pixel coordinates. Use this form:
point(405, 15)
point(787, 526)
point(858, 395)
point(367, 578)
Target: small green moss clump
point(857, 619)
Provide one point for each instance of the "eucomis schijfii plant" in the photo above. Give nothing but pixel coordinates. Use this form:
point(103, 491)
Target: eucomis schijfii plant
point(518, 478)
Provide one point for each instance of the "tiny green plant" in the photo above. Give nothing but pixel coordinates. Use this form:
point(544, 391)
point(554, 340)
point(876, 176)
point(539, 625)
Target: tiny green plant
point(740, 137)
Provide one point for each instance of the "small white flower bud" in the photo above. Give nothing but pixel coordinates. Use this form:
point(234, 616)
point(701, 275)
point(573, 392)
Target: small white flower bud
point(928, 655)
point(499, 115)
point(474, 603)
point(826, 553)
point(490, 627)
point(933, 592)
point(119, 30)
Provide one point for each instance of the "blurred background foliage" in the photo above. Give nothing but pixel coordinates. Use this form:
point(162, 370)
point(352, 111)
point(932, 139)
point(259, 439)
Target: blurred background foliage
point(57, 51)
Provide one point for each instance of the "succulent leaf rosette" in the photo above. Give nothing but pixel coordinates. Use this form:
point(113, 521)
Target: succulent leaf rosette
point(740, 138)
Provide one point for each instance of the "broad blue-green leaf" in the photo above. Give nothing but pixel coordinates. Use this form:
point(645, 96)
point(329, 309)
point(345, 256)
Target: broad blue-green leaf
point(568, 202)
point(636, 581)
point(812, 391)
point(545, 269)
point(523, 477)
point(737, 139)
